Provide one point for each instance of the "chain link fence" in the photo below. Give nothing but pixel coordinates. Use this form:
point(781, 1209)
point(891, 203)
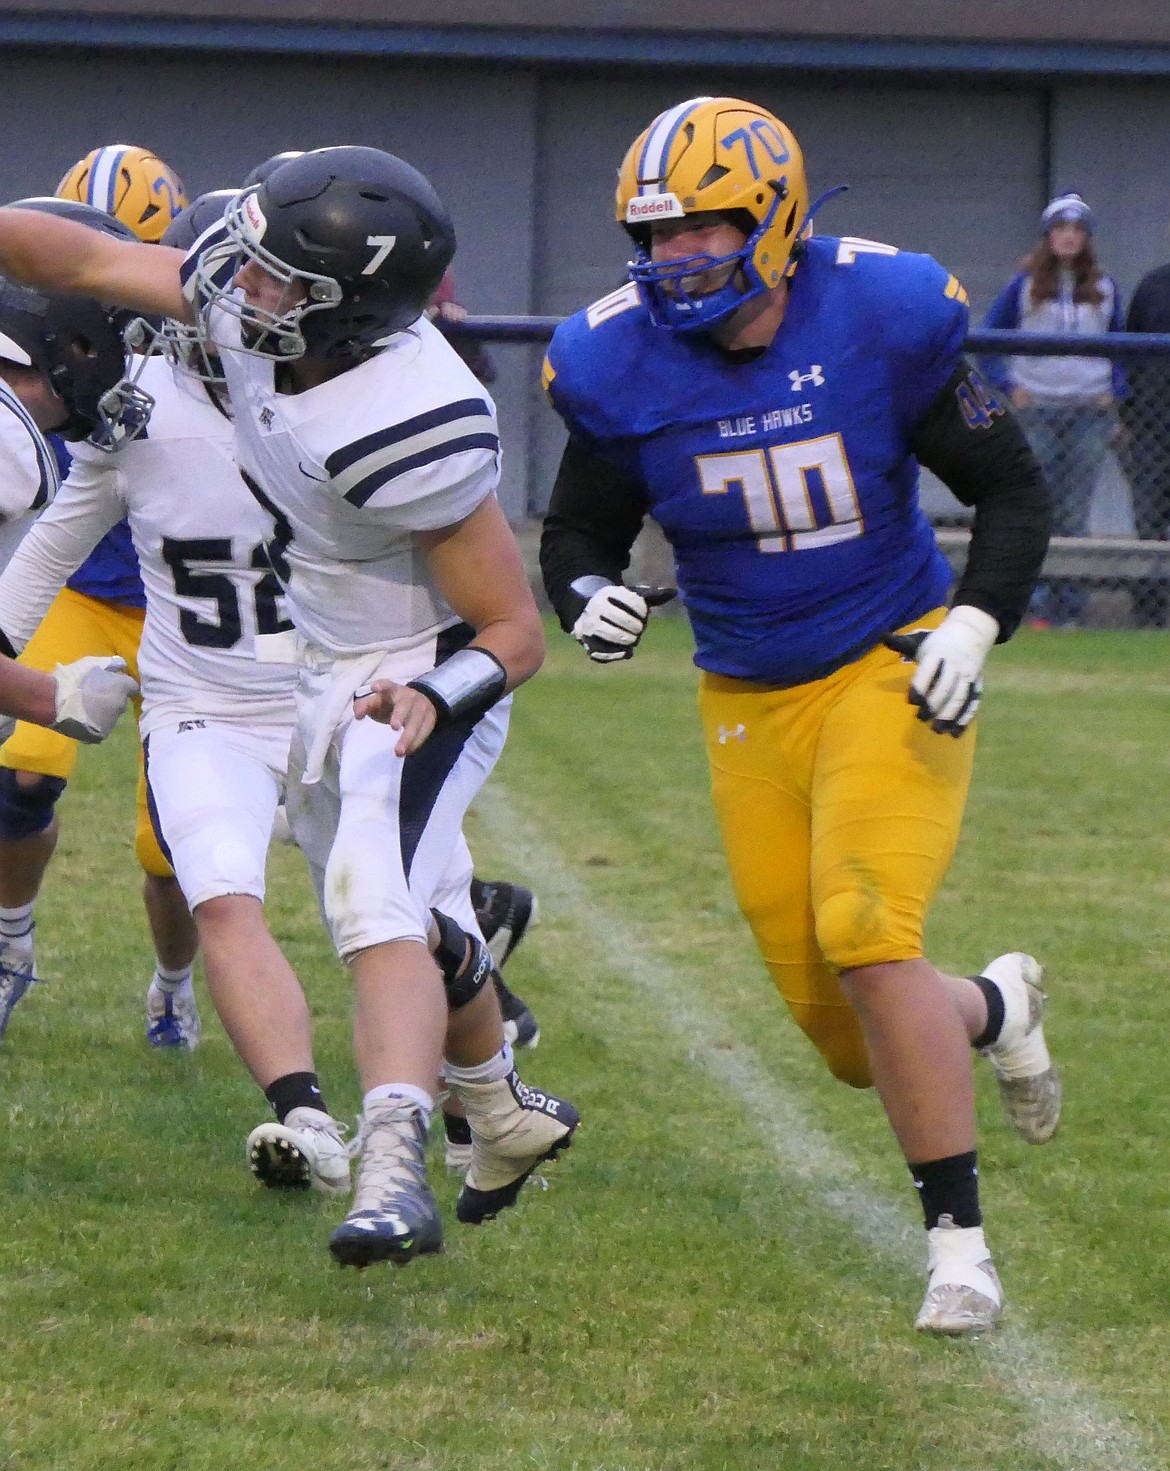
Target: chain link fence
point(1107, 463)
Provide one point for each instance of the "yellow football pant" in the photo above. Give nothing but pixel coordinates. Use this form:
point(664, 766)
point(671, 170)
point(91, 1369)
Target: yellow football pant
point(840, 812)
point(74, 626)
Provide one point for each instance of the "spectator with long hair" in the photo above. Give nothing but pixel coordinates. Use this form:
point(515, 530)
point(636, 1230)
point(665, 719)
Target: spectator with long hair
point(1066, 405)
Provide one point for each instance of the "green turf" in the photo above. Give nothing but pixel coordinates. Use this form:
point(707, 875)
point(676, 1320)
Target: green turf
point(689, 1291)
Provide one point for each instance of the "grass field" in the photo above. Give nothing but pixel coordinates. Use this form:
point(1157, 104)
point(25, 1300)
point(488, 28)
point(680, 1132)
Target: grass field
point(723, 1272)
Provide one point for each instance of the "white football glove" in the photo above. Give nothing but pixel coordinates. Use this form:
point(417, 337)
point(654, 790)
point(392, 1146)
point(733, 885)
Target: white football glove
point(948, 683)
point(91, 694)
point(615, 617)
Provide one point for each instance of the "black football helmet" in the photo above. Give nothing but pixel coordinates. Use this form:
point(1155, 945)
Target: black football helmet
point(257, 175)
point(75, 341)
point(359, 239)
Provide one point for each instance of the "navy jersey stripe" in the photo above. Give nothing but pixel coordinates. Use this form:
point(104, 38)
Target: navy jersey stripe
point(362, 492)
point(50, 476)
point(349, 454)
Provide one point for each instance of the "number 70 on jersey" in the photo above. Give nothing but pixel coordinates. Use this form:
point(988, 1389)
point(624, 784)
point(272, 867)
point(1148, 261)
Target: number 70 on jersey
point(780, 488)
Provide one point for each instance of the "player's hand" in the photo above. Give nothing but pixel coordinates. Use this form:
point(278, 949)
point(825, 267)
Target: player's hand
point(948, 683)
point(614, 619)
point(399, 707)
point(91, 695)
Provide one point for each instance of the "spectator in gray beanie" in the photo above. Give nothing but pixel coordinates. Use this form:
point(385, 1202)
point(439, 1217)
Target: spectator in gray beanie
point(1066, 405)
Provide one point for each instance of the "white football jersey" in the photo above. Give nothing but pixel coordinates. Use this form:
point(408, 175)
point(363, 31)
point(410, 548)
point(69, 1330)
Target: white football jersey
point(200, 537)
point(352, 469)
point(29, 477)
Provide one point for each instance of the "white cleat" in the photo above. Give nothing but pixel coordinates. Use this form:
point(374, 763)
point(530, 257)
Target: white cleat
point(1029, 1086)
point(963, 1294)
point(513, 1129)
point(172, 1017)
point(306, 1150)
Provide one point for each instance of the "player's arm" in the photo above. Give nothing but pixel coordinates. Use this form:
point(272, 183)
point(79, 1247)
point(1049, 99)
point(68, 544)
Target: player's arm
point(594, 517)
point(478, 568)
point(85, 508)
point(971, 440)
point(60, 255)
point(84, 699)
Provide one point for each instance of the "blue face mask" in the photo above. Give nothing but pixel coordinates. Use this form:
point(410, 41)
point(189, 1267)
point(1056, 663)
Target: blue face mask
point(679, 310)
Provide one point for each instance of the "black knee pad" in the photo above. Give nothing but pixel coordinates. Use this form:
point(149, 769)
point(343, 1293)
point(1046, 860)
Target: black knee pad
point(463, 981)
point(26, 811)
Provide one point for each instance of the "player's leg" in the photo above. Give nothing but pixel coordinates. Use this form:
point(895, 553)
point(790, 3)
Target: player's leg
point(213, 792)
point(888, 799)
point(760, 748)
point(409, 812)
point(505, 913)
point(35, 765)
point(172, 1014)
point(505, 1137)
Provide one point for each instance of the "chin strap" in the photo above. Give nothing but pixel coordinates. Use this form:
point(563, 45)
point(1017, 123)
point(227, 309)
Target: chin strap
point(803, 233)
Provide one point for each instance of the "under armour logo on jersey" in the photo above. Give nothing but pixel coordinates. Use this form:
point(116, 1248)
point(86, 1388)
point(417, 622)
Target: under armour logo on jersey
point(732, 733)
point(815, 376)
point(267, 417)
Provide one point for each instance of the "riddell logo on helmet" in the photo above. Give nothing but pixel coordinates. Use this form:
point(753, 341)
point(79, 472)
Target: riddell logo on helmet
point(653, 207)
point(254, 219)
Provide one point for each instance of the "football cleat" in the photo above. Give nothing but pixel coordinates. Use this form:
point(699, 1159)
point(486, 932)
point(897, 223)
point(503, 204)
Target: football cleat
point(505, 913)
point(172, 1017)
point(1029, 1086)
point(963, 1293)
point(306, 1150)
point(394, 1216)
point(520, 1026)
point(456, 1144)
point(513, 1129)
point(18, 971)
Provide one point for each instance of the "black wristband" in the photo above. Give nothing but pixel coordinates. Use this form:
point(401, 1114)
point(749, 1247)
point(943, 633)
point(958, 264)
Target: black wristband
point(464, 686)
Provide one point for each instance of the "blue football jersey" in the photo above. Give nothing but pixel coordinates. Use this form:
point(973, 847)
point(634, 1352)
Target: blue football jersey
point(785, 483)
point(110, 572)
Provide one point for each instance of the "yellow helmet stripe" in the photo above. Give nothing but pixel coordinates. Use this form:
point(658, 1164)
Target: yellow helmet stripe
point(656, 149)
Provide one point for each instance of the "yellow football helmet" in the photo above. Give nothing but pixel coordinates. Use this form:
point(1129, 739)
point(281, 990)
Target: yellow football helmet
point(718, 155)
point(129, 183)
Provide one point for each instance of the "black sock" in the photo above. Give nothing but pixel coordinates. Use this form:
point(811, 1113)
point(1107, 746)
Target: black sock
point(478, 893)
point(294, 1090)
point(949, 1187)
point(457, 1127)
point(995, 1010)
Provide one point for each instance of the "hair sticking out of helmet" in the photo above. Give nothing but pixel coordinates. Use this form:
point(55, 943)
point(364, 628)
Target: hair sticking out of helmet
point(131, 184)
point(357, 241)
point(186, 344)
point(713, 155)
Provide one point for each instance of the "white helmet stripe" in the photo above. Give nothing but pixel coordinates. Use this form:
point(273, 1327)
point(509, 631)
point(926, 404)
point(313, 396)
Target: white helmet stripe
point(12, 352)
point(656, 149)
point(102, 189)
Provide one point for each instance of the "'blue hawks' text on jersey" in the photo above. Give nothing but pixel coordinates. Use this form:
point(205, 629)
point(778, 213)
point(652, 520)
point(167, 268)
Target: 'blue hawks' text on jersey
point(785, 483)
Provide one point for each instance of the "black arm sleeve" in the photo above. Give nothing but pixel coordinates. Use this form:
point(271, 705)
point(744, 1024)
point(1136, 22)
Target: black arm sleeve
point(975, 446)
point(593, 520)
